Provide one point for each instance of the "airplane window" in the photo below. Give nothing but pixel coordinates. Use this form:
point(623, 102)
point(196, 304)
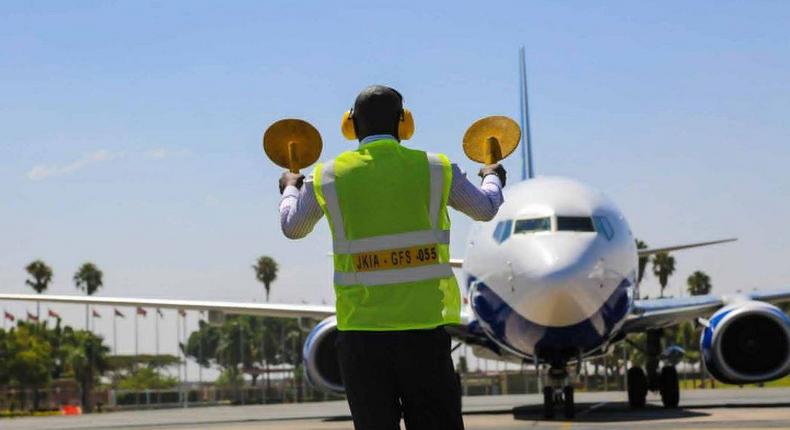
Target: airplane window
point(498, 231)
point(506, 230)
point(502, 230)
point(574, 223)
point(602, 226)
point(532, 225)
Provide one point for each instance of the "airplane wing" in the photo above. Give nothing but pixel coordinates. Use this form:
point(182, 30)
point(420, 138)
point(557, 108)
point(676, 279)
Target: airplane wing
point(659, 313)
point(256, 309)
point(774, 297)
point(651, 251)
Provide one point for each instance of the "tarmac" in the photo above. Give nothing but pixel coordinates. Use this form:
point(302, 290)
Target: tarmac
point(744, 409)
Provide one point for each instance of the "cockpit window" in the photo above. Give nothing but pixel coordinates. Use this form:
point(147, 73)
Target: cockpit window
point(603, 226)
point(502, 230)
point(498, 231)
point(508, 228)
point(532, 225)
point(574, 223)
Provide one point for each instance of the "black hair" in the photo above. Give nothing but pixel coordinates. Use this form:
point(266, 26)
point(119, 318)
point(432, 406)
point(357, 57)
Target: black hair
point(377, 110)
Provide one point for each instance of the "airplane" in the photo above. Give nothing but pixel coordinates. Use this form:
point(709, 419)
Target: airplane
point(552, 281)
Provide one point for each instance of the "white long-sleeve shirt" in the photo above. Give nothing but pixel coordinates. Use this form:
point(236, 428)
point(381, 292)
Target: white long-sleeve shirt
point(299, 209)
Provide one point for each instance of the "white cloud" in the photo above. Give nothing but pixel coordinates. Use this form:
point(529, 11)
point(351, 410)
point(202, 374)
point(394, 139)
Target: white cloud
point(41, 171)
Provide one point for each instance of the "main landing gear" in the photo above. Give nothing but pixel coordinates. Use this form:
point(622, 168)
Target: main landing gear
point(665, 382)
point(558, 391)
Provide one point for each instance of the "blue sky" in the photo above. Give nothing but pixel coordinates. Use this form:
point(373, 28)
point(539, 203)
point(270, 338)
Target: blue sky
point(130, 131)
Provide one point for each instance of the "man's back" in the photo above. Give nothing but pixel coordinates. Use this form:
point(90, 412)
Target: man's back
point(384, 188)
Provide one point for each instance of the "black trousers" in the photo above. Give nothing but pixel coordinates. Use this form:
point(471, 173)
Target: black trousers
point(400, 374)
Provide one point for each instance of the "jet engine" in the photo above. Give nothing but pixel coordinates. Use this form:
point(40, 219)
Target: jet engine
point(320, 357)
point(747, 343)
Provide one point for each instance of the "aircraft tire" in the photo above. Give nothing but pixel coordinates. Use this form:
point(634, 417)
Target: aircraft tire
point(637, 387)
point(670, 387)
point(548, 403)
point(568, 404)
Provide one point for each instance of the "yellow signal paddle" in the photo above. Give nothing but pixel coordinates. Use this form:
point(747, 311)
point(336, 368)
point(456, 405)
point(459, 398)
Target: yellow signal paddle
point(491, 139)
point(292, 143)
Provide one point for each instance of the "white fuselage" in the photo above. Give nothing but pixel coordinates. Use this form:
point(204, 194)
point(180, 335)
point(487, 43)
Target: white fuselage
point(553, 274)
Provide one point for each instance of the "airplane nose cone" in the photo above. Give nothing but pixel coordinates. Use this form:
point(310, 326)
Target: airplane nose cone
point(556, 260)
point(563, 279)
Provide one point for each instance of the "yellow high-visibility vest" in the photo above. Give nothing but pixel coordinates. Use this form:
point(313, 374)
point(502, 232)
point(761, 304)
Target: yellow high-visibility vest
point(387, 209)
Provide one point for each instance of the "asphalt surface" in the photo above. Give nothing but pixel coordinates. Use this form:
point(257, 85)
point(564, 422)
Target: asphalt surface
point(744, 409)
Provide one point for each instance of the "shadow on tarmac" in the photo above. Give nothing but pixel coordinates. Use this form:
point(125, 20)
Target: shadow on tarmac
point(607, 412)
point(337, 419)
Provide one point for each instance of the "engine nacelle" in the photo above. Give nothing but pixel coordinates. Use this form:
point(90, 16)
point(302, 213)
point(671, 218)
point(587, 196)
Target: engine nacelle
point(747, 343)
point(320, 357)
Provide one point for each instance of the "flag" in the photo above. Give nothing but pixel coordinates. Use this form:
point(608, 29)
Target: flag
point(118, 313)
point(8, 316)
point(141, 311)
point(53, 314)
point(95, 313)
point(182, 312)
point(32, 317)
point(159, 312)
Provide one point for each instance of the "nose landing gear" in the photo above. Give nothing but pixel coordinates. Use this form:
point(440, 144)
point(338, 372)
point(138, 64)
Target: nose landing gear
point(558, 392)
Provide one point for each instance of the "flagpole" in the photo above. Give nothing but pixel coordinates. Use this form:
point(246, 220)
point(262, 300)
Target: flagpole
point(114, 332)
point(136, 317)
point(157, 331)
point(178, 350)
point(184, 341)
point(200, 350)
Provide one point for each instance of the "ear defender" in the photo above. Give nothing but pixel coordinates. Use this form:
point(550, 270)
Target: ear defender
point(406, 125)
point(347, 126)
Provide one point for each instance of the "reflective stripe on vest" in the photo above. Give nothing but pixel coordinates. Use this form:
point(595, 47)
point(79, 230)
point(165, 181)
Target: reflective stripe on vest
point(393, 276)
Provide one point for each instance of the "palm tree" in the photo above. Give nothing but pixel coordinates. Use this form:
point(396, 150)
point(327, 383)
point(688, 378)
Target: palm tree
point(266, 272)
point(42, 276)
point(699, 283)
point(86, 355)
point(88, 279)
point(663, 268)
